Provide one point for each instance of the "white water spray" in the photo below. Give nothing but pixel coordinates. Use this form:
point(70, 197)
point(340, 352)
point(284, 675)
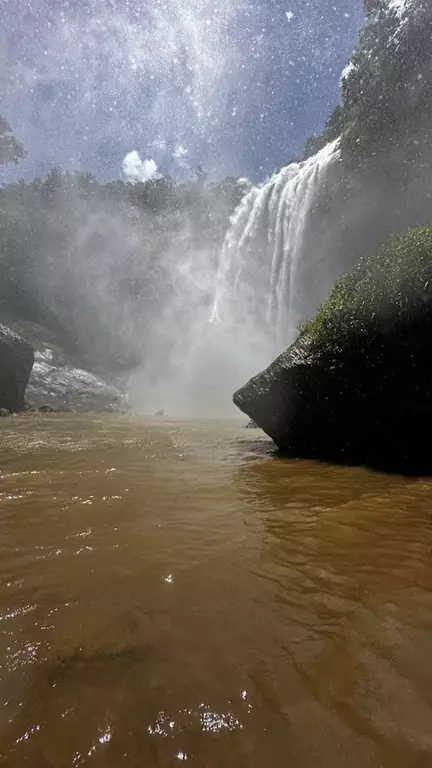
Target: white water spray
point(265, 247)
point(255, 313)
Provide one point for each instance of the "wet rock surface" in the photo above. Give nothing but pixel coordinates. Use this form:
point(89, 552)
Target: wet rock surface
point(16, 361)
point(62, 386)
point(58, 381)
point(369, 402)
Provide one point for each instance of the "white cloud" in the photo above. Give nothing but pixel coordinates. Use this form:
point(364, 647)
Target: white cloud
point(180, 155)
point(289, 15)
point(136, 170)
point(180, 152)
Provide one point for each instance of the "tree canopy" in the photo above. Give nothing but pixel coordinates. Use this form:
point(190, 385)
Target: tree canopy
point(100, 264)
point(387, 88)
point(11, 150)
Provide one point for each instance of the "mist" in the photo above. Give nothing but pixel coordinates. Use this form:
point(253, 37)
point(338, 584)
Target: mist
point(129, 274)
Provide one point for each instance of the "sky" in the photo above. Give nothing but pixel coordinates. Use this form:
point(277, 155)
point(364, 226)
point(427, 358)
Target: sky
point(138, 88)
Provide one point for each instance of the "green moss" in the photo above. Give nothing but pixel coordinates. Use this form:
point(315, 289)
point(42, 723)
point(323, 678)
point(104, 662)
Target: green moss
point(386, 290)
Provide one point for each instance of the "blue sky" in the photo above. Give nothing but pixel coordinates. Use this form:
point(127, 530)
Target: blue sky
point(235, 85)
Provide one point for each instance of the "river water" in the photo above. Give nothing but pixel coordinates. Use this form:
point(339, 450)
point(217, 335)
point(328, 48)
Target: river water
point(177, 593)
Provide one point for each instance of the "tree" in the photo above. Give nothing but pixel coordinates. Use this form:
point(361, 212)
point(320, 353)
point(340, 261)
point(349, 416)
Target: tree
point(100, 265)
point(387, 89)
point(11, 150)
point(387, 92)
point(333, 129)
point(374, 6)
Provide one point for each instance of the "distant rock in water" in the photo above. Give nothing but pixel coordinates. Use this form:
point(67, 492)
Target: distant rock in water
point(47, 409)
point(16, 361)
point(356, 386)
point(252, 425)
point(160, 413)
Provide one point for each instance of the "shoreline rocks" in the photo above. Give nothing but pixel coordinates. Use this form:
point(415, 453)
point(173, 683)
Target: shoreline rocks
point(36, 375)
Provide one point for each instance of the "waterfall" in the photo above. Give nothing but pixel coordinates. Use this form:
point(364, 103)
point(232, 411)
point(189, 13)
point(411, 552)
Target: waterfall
point(265, 247)
point(256, 286)
point(287, 243)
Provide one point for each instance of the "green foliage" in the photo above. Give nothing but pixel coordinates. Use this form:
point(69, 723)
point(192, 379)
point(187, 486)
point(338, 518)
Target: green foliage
point(11, 150)
point(385, 290)
point(387, 90)
point(334, 127)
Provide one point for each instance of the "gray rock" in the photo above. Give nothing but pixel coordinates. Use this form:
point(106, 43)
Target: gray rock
point(16, 361)
point(60, 382)
point(56, 385)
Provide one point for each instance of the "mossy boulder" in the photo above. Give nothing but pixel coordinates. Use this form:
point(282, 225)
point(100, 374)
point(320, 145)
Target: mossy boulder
point(357, 384)
point(385, 290)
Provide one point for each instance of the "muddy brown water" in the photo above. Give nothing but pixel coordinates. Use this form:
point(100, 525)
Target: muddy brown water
point(174, 593)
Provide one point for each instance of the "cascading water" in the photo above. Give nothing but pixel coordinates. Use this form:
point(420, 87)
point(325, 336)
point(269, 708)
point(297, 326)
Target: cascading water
point(265, 247)
point(195, 368)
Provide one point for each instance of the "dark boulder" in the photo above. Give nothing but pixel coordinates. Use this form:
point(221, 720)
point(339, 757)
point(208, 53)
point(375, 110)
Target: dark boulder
point(272, 398)
point(47, 409)
point(371, 405)
point(356, 386)
point(16, 362)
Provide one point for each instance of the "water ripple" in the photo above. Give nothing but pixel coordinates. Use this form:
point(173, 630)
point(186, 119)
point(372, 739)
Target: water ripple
point(176, 592)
